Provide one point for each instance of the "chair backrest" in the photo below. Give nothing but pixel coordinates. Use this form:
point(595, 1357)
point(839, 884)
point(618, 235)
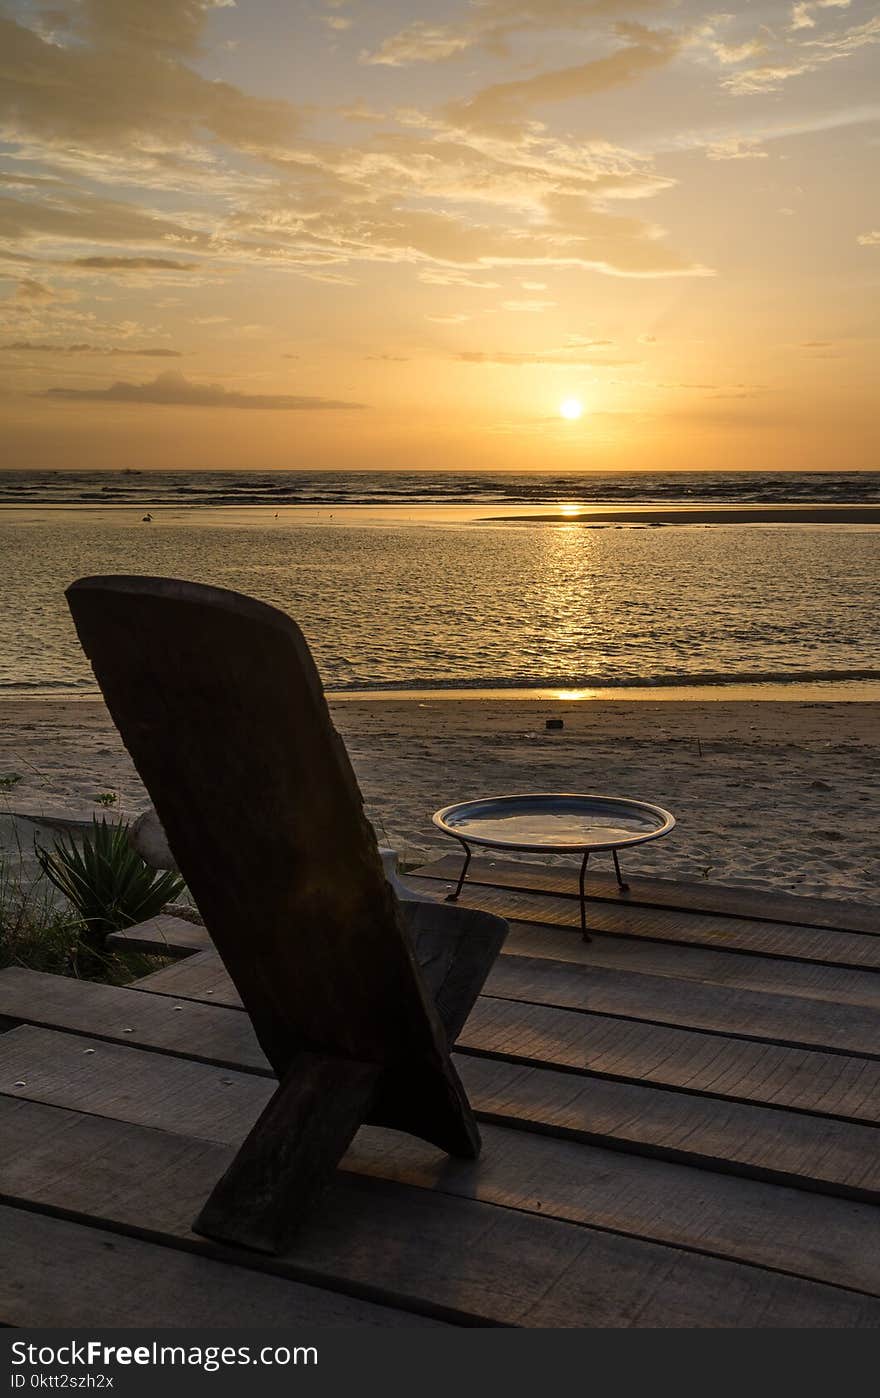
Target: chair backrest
point(220, 705)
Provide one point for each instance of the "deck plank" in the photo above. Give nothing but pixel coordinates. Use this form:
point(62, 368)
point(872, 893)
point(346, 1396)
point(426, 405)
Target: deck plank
point(485, 1239)
point(781, 1019)
point(744, 970)
point(834, 1085)
point(773, 906)
point(199, 1031)
point(623, 921)
point(685, 1059)
point(857, 950)
point(192, 1098)
point(169, 936)
point(64, 1274)
point(824, 1022)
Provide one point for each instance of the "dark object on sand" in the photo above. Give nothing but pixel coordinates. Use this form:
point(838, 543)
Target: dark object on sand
point(355, 998)
point(555, 723)
point(147, 518)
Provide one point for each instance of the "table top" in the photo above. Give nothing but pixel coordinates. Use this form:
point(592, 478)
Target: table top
point(554, 821)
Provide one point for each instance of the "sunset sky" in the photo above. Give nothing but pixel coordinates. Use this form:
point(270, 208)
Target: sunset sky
point(369, 233)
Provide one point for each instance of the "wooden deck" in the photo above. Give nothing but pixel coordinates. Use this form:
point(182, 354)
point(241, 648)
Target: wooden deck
point(680, 1124)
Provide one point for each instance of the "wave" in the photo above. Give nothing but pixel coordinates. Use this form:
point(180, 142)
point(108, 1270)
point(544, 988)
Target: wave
point(189, 489)
point(706, 679)
point(664, 681)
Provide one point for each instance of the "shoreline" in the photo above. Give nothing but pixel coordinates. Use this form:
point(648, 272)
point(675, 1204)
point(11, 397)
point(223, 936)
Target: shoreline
point(794, 691)
point(782, 796)
point(443, 513)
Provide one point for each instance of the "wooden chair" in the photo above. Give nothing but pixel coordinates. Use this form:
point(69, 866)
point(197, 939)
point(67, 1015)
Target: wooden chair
point(354, 997)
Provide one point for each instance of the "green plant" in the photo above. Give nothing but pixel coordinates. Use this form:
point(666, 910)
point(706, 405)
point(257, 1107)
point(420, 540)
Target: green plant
point(33, 932)
point(10, 780)
point(107, 881)
point(106, 798)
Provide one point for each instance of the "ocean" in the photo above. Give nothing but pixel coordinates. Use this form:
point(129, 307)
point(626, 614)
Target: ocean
point(408, 581)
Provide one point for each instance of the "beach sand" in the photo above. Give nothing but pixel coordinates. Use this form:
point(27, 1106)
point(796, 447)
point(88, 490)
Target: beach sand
point(768, 795)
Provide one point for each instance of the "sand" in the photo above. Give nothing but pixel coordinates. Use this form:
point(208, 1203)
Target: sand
point(594, 516)
point(767, 795)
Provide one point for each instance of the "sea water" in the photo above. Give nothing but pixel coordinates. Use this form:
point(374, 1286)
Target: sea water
point(404, 581)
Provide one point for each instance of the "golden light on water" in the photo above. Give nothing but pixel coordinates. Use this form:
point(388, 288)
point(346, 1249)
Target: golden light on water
point(571, 408)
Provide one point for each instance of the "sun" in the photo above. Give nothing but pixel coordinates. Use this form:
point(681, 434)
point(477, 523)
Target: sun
point(571, 408)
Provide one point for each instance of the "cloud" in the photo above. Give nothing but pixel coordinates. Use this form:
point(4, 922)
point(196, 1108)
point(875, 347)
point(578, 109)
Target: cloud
point(869, 240)
point(798, 56)
point(803, 15)
point(455, 193)
point(527, 305)
point(133, 264)
point(493, 24)
point(120, 84)
point(585, 342)
point(560, 357)
point(447, 276)
point(173, 390)
point(79, 216)
point(37, 347)
point(503, 107)
point(164, 26)
point(419, 43)
point(736, 148)
point(31, 298)
point(33, 293)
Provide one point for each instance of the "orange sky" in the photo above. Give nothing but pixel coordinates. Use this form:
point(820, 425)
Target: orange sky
point(368, 233)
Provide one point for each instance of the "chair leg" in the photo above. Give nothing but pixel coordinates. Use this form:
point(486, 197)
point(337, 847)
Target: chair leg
point(585, 936)
point(454, 897)
point(291, 1153)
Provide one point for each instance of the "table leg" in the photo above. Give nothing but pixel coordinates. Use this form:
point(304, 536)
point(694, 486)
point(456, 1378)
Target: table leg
point(584, 933)
point(453, 897)
point(624, 887)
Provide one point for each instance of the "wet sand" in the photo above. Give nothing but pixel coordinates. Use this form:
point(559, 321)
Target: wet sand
point(712, 514)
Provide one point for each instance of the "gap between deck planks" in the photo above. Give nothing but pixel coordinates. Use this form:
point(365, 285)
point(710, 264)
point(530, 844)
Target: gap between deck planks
point(63, 1274)
point(765, 906)
point(777, 940)
point(798, 1149)
point(626, 925)
point(605, 1047)
point(573, 1225)
point(189, 1021)
point(763, 1015)
point(743, 970)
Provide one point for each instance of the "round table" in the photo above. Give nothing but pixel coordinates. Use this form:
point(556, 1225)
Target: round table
point(554, 822)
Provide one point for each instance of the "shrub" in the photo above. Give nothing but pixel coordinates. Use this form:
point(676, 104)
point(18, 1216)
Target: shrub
point(107, 882)
point(37, 935)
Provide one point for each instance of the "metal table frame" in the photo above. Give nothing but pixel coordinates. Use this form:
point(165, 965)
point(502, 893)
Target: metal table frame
point(667, 822)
